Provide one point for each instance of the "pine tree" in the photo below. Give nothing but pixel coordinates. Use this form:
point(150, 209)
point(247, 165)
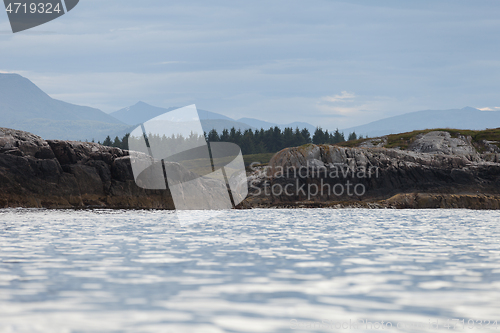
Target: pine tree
point(277, 139)
point(247, 143)
point(224, 136)
point(239, 137)
point(306, 135)
point(232, 135)
point(288, 137)
point(319, 136)
point(352, 136)
point(338, 137)
point(298, 139)
point(107, 142)
point(213, 136)
point(125, 141)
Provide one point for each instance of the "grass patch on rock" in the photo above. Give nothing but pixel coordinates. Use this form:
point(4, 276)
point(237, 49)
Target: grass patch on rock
point(262, 159)
point(403, 140)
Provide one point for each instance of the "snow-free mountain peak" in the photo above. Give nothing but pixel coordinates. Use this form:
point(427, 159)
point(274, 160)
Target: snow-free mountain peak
point(26, 107)
point(464, 118)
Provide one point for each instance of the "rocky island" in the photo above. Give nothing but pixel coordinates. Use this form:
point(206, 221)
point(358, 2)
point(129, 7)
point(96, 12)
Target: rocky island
point(427, 169)
point(431, 169)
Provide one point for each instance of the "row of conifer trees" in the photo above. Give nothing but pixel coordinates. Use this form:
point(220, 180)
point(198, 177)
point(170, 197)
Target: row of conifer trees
point(260, 141)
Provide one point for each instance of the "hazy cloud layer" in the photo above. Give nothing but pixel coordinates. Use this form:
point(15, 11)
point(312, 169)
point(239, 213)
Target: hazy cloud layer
point(330, 63)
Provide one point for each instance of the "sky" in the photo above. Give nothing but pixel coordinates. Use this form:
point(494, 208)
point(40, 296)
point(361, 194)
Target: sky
point(334, 64)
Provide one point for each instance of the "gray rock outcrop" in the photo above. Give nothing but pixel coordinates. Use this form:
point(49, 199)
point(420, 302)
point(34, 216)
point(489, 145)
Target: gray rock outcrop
point(439, 142)
point(69, 174)
point(332, 174)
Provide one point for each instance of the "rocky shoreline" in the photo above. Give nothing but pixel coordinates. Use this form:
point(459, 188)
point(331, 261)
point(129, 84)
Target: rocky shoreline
point(434, 173)
point(403, 201)
point(39, 173)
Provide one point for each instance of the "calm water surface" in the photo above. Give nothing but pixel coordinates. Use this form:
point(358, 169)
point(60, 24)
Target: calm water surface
point(249, 271)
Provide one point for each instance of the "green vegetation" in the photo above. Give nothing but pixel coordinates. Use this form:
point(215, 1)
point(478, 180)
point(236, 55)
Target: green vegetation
point(122, 144)
point(321, 137)
point(403, 140)
point(263, 159)
point(260, 145)
point(262, 141)
point(351, 143)
point(252, 142)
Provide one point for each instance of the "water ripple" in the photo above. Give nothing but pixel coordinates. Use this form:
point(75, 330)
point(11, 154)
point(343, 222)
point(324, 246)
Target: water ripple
point(247, 271)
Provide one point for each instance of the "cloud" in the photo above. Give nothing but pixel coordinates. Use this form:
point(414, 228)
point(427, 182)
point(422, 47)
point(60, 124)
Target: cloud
point(343, 97)
point(14, 71)
point(494, 108)
point(347, 110)
point(344, 104)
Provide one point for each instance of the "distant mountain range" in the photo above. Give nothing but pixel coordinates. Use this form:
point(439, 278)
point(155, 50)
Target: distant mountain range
point(142, 112)
point(26, 107)
point(466, 118)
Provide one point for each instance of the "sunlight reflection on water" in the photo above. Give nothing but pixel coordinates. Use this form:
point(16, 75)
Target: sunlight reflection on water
point(246, 271)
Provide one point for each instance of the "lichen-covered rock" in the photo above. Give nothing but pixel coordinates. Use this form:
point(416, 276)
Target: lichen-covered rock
point(374, 142)
point(440, 142)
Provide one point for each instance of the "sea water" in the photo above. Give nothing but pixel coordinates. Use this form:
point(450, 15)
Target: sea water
point(314, 270)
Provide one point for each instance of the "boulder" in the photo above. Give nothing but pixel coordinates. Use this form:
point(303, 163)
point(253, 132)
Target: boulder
point(22, 143)
point(440, 142)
